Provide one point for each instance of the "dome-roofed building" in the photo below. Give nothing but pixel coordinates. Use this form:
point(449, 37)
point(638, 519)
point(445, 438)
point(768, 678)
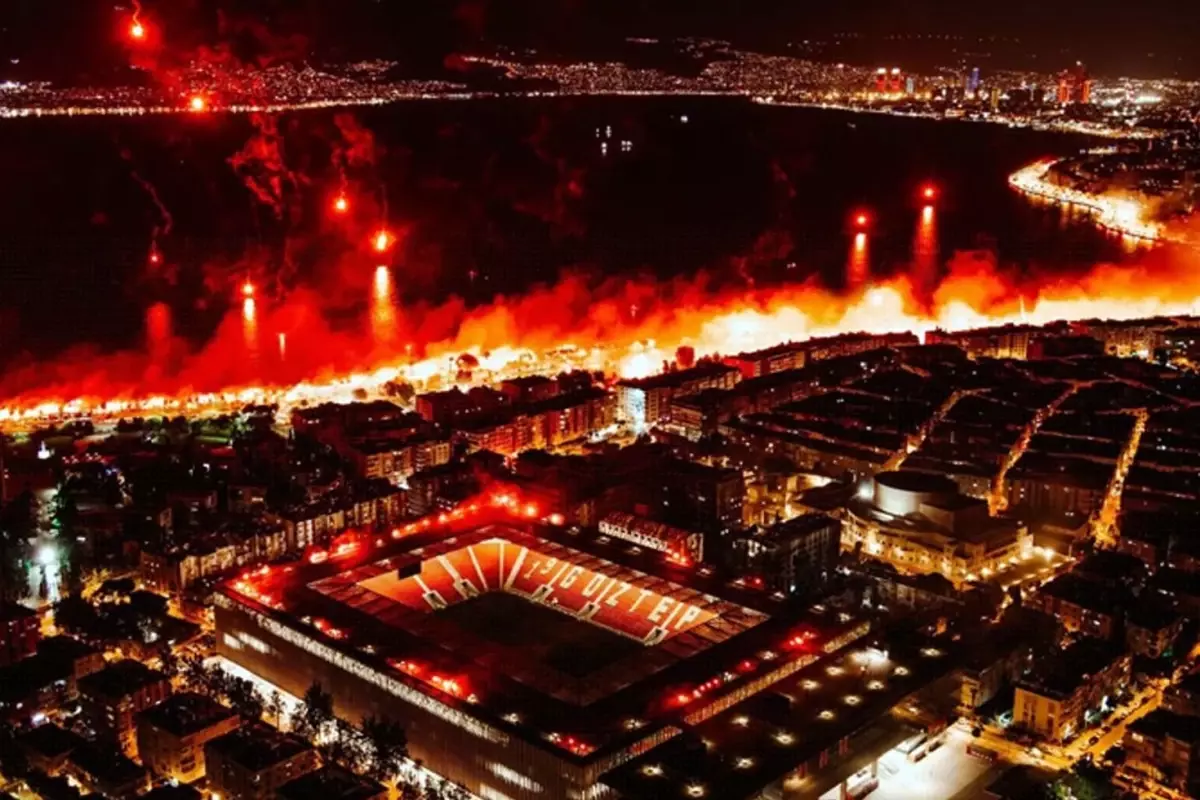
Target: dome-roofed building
point(920, 523)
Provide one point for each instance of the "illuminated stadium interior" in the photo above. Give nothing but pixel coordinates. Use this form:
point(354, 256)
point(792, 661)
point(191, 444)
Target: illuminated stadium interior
point(567, 623)
point(517, 649)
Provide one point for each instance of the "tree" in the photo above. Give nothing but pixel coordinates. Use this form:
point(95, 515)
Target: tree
point(273, 707)
point(196, 675)
point(346, 746)
point(75, 614)
point(316, 711)
point(387, 744)
point(168, 661)
point(244, 699)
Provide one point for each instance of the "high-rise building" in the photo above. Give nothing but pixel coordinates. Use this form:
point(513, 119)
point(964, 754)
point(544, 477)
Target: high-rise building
point(1074, 85)
point(973, 81)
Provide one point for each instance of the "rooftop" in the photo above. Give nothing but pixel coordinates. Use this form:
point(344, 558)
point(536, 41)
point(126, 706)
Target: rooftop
point(1066, 670)
point(363, 606)
point(796, 528)
point(1112, 565)
point(106, 765)
point(170, 792)
point(186, 713)
point(258, 746)
point(1160, 722)
point(1082, 592)
point(331, 783)
point(679, 378)
point(55, 660)
point(1151, 616)
point(50, 741)
point(119, 679)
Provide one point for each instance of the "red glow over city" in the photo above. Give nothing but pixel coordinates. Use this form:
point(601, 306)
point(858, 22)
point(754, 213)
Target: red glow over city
point(516, 334)
point(198, 104)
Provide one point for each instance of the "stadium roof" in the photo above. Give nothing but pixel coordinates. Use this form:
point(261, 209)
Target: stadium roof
point(625, 697)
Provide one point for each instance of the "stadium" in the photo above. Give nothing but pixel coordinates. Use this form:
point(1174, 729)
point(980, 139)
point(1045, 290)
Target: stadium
point(525, 661)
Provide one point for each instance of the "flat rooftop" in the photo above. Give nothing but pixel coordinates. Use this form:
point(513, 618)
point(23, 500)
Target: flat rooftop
point(186, 713)
point(258, 746)
point(50, 741)
point(331, 783)
point(1066, 670)
point(119, 679)
point(765, 737)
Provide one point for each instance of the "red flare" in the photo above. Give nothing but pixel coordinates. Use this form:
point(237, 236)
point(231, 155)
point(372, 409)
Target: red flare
point(198, 104)
point(383, 241)
point(341, 205)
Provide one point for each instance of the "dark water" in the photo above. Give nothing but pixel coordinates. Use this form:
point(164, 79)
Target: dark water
point(491, 197)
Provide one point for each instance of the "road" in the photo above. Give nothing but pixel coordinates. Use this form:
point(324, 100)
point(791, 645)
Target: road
point(1053, 757)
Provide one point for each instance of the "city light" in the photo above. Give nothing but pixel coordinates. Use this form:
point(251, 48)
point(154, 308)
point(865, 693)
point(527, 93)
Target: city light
point(1120, 214)
point(198, 104)
point(382, 241)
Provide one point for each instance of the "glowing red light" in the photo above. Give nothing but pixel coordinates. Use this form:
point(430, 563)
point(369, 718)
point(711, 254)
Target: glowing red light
point(556, 519)
point(682, 699)
point(137, 30)
point(929, 192)
point(198, 104)
point(247, 289)
point(341, 205)
point(155, 258)
point(861, 220)
point(383, 241)
point(531, 510)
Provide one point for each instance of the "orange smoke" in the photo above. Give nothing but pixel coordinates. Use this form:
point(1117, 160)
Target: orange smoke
point(576, 323)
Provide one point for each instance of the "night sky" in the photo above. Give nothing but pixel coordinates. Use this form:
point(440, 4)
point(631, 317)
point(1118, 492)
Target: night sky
point(1151, 37)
